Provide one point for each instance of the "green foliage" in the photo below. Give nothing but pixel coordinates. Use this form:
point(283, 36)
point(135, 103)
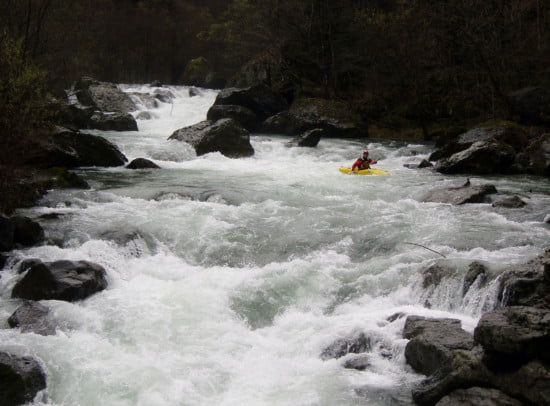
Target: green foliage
point(23, 102)
point(23, 116)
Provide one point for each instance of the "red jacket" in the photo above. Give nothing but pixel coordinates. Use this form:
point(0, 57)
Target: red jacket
point(363, 163)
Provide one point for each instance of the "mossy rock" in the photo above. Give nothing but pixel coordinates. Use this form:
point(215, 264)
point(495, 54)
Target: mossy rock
point(196, 71)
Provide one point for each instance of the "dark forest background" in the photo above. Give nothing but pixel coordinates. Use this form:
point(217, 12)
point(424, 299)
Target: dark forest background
point(420, 58)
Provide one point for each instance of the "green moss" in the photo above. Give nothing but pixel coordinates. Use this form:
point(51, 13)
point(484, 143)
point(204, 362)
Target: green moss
point(195, 69)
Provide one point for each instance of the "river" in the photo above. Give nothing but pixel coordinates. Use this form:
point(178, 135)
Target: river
point(229, 277)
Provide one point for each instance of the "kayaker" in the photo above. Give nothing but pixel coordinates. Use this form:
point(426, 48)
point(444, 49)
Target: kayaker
point(363, 163)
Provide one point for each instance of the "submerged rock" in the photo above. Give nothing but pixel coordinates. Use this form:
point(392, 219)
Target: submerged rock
point(142, 163)
point(510, 202)
point(355, 344)
point(308, 139)
point(32, 317)
point(461, 195)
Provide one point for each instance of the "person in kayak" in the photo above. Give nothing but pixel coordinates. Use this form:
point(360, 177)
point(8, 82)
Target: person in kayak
point(363, 163)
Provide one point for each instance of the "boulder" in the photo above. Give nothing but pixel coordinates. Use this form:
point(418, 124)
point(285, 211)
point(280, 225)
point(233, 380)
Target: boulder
point(481, 158)
point(226, 136)
point(535, 159)
point(103, 96)
point(432, 342)
point(243, 115)
point(74, 116)
point(509, 202)
point(461, 195)
point(21, 378)
point(308, 114)
point(27, 264)
point(260, 99)
point(6, 234)
point(354, 344)
point(32, 317)
point(142, 163)
point(112, 122)
point(475, 270)
point(526, 284)
point(164, 96)
point(530, 382)
point(61, 280)
point(214, 80)
point(359, 363)
point(520, 333)
point(531, 105)
point(144, 115)
point(27, 232)
point(463, 369)
point(69, 149)
point(423, 164)
point(505, 133)
point(308, 139)
point(476, 396)
point(433, 275)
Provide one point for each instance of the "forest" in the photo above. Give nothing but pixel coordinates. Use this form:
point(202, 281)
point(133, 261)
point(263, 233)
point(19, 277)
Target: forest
point(444, 57)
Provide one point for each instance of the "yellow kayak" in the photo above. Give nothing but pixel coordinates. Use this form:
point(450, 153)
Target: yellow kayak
point(365, 171)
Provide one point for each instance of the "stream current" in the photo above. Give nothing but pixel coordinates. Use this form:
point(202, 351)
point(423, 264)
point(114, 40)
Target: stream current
point(229, 277)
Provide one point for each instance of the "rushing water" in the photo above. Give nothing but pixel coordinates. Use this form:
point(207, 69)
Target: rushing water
point(228, 277)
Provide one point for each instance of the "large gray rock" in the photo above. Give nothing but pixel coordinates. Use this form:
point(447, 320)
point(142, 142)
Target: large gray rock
point(432, 342)
point(463, 369)
point(27, 232)
point(112, 122)
point(461, 195)
point(506, 133)
point(243, 115)
point(477, 396)
point(142, 163)
point(103, 96)
point(510, 202)
point(531, 382)
point(480, 158)
point(518, 332)
point(19, 231)
point(69, 149)
point(32, 317)
point(308, 139)
point(225, 136)
point(535, 159)
point(21, 378)
point(61, 280)
point(302, 117)
point(260, 99)
point(476, 270)
point(527, 284)
point(354, 344)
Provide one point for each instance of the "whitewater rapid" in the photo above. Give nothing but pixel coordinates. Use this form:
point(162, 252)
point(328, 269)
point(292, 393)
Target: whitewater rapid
point(229, 277)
